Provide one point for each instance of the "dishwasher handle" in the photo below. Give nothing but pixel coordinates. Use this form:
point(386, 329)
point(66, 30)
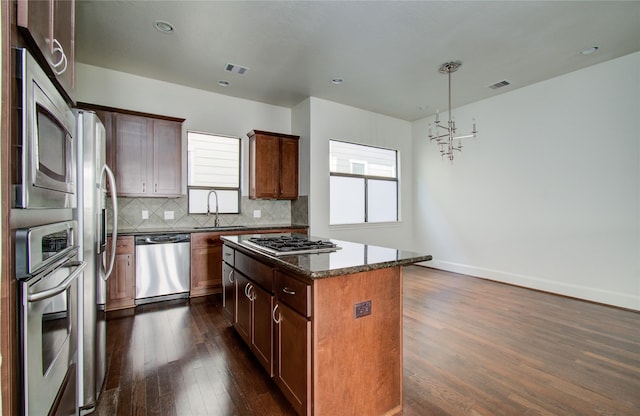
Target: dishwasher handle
point(162, 239)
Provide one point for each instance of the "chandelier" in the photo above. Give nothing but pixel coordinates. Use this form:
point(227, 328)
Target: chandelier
point(445, 136)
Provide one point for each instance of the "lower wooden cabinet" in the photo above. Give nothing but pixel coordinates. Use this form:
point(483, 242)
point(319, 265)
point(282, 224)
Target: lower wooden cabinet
point(262, 327)
point(253, 319)
point(292, 356)
point(325, 358)
point(121, 285)
point(244, 308)
point(206, 256)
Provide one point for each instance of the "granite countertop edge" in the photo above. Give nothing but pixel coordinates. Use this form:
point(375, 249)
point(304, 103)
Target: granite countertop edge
point(322, 274)
point(354, 269)
point(191, 230)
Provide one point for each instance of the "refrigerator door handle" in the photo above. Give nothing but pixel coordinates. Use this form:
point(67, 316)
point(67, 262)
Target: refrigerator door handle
point(114, 228)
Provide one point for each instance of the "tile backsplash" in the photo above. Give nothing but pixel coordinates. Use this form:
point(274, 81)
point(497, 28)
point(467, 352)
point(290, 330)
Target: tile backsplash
point(159, 211)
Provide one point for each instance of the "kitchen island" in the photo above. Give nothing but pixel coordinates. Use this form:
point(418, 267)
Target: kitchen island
point(326, 326)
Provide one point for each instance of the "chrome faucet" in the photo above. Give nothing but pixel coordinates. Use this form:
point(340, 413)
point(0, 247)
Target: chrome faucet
point(217, 220)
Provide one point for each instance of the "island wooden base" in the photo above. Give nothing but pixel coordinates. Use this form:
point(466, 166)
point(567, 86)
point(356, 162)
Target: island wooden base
point(357, 362)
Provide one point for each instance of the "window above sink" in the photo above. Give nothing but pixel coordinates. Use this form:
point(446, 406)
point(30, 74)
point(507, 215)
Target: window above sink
point(213, 163)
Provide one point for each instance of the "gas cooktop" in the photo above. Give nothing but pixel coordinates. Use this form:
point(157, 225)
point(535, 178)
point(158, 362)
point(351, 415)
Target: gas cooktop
point(290, 245)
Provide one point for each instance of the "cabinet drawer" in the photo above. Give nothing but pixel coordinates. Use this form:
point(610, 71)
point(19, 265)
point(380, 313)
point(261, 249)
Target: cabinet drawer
point(259, 272)
point(228, 255)
point(202, 240)
point(125, 245)
point(294, 293)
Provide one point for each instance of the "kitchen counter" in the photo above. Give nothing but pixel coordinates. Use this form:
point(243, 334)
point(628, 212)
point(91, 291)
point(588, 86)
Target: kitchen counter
point(350, 258)
point(230, 228)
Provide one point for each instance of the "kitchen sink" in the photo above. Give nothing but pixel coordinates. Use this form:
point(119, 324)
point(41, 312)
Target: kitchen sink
point(221, 227)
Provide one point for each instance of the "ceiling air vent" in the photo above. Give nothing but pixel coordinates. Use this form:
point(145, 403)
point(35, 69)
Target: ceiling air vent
point(236, 69)
point(499, 84)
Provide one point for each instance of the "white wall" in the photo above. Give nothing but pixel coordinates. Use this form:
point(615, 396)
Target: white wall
point(548, 196)
point(204, 111)
point(328, 120)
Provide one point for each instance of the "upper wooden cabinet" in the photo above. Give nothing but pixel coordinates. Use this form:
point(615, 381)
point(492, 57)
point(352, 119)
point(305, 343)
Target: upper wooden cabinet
point(143, 150)
point(273, 165)
point(49, 25)
point(148, 160)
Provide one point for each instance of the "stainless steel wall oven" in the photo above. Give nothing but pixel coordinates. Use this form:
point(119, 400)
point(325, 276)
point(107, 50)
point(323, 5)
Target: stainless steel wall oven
point(45, 175)
point(49, 276)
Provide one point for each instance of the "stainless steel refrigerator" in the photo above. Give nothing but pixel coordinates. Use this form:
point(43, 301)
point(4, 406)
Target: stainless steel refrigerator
point(92, 216)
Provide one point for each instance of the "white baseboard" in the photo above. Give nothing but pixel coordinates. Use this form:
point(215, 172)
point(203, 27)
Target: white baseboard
point(622, 300)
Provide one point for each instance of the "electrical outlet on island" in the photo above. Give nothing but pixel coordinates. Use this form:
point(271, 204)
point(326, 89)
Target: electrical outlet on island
point(168, 215)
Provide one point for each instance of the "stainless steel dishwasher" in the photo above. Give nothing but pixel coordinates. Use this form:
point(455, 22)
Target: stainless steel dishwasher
point(162, 267)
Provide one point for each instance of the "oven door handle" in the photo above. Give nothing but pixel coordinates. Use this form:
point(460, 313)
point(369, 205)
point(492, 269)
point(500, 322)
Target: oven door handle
point(49, 293)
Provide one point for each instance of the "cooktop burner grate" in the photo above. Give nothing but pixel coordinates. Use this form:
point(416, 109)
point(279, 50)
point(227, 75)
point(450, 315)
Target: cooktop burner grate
point(282, 245)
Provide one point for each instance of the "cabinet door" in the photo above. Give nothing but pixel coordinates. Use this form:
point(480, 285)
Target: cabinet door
point(37, 17)
point(206, 273)
point(132, 152)
point(263, 165)
point(121, 290)
point(229, 293)
point(288, 168)
point(50, 26)
point(243, 308)
point(293, 357)
point(262, 329)
point(63, 52)
point(167, 158)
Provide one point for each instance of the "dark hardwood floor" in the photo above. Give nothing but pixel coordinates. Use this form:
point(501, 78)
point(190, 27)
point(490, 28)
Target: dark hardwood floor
point(471, 347)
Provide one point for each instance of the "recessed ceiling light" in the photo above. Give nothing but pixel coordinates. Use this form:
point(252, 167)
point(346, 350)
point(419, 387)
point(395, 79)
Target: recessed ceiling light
point(224, 83)
point(589, 50)
point(337, 81)
point(162, 26)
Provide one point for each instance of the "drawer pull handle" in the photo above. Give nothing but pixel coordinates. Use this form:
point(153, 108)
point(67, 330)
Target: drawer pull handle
point(273, 315)
point(288, 291)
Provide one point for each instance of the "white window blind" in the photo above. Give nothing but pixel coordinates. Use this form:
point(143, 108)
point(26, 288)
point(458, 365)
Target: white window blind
point(213, 161)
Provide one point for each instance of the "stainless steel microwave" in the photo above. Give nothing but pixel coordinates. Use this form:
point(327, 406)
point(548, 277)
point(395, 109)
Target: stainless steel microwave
point(45, 175)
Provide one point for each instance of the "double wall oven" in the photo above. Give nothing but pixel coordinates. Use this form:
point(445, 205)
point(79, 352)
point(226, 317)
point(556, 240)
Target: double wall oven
point(48, 273)
point(46, 244)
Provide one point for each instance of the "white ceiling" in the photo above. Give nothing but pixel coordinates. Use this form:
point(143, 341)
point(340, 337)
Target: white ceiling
point(388, 52)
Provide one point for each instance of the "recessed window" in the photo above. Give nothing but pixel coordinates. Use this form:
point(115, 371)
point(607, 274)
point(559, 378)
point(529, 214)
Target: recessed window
point(363, 183)
point(213, 163)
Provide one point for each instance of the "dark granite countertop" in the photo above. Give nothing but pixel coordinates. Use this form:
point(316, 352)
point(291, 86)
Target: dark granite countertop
point(351, 258)
point(230, 228)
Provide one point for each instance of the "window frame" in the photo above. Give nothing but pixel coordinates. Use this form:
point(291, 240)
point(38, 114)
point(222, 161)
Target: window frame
point(366, 179)
point(217, 188)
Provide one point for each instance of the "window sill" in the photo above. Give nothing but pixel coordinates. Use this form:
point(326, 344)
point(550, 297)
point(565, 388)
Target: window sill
point(366, 225)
